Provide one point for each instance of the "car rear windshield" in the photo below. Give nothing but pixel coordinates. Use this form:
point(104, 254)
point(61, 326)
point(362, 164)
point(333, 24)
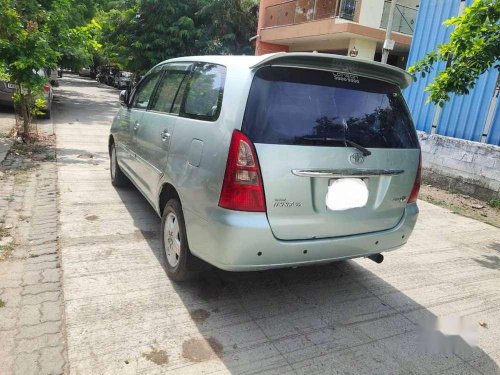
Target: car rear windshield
point(297, 106)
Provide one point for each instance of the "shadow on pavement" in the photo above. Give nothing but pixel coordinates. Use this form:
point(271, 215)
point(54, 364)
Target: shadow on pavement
point(68, 101)
point(335, 318)
point(5, 109)
point(491, 261)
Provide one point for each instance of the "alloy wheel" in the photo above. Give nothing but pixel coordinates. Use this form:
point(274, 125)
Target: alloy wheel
point(172, 239)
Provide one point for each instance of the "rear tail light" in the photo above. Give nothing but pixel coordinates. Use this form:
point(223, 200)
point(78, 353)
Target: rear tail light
point(46, 87)
point(416, 185)
point(242, 189)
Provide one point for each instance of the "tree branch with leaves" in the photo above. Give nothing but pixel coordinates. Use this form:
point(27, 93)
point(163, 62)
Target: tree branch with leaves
point(36, 35)
point(473, 48)
point(24, 49)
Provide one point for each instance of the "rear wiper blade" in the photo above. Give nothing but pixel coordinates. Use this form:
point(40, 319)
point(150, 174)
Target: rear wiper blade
point(365, 151)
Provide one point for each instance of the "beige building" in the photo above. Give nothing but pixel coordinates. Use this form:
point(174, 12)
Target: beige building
point(347, 27)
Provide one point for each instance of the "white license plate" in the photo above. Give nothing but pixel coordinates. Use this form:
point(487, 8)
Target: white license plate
point(11, 86)
point(346, 193)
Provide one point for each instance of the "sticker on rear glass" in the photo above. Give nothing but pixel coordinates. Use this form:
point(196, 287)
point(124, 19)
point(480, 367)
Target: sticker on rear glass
point(346, 77)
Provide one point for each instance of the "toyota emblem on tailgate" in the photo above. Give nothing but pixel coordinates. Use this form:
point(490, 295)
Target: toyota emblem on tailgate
point(356, 158)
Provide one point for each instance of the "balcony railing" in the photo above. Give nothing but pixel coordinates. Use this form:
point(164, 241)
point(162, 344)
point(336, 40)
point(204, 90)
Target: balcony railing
point(404, 18)
point(298, 11)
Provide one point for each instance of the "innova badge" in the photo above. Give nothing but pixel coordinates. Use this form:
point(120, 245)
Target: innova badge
point(356, 158)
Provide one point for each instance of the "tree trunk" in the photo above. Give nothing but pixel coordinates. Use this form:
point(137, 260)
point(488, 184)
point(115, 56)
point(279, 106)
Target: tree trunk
point(25, 107)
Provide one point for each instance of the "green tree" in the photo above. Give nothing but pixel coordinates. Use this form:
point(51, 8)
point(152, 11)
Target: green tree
point(73, 31)
point(24, 49)
point(473, 48)
point(35, 35)
point(227, 26)
point(117, 18)
point(137, 34)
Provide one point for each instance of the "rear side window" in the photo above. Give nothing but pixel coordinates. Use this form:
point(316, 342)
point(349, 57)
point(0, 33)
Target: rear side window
point(310, 107)
point(204, 92)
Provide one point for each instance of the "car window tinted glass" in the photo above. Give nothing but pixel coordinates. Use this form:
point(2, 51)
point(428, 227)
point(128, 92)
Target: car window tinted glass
point(144, 91)
point(167, 89)
point(312, 107)
point(205, 90)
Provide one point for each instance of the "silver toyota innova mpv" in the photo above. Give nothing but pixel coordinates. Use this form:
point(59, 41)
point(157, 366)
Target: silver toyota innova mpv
point(281, 160)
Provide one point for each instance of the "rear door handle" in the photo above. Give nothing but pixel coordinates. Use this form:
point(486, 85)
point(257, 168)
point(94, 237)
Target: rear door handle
point(165, 135)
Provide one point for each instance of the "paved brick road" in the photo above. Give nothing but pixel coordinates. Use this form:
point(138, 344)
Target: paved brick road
point(31, 328)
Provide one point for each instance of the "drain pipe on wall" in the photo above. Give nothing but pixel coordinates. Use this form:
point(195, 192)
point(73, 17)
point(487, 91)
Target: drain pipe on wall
point(388, 42)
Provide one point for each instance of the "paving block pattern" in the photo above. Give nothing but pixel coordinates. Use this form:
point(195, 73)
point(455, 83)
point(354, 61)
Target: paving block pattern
point(31, 322)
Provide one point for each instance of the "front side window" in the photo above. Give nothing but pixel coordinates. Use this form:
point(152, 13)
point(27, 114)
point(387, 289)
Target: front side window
point(204, 92)
point(167, 91)
point(321, 108)
point(145, 90)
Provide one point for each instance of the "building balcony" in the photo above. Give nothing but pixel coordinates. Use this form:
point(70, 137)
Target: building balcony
point(346, 27)
point(298, 11)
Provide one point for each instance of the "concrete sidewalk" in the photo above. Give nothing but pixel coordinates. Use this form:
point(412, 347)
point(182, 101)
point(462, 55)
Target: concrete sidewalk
point(123, 315)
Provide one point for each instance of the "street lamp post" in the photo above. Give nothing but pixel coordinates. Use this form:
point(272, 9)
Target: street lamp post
point(388, 42)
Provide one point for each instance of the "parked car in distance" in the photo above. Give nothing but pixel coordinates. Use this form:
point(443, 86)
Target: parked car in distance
point(122, 79)
point(102, 73)
point(53, 76)
point(7, 90)
point(48, 95)
point(282, 160)
point(84, 72)
point(110, 77)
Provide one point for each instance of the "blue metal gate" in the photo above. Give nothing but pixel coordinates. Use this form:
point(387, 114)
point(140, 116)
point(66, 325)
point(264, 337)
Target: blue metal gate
point(494, 133)
point(463, 116)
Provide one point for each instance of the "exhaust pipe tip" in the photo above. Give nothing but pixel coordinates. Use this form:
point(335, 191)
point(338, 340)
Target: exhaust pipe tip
point(377, 258)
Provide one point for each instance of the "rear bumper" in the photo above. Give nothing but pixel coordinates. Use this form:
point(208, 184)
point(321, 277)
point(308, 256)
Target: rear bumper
point(233, 240)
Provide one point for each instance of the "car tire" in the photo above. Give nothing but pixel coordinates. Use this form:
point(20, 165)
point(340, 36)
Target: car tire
point(118, 178)
point(46, 114)
point(179, 262)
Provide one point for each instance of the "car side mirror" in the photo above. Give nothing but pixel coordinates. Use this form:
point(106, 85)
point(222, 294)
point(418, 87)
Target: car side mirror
point(124, 98)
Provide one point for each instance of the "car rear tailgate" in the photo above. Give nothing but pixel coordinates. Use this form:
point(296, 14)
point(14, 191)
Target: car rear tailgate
point(314, 127)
